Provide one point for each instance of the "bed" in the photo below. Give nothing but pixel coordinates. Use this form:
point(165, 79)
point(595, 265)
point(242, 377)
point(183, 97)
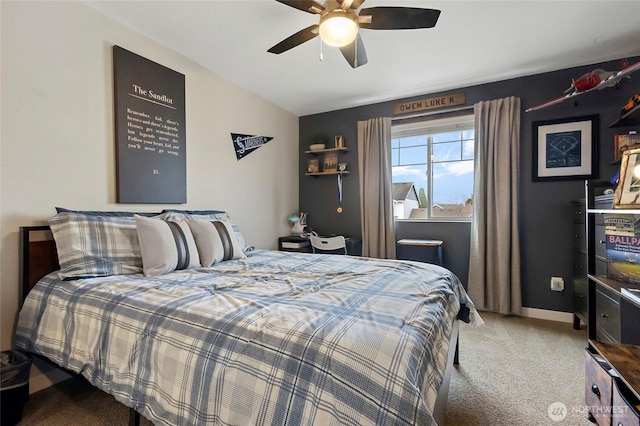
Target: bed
point(261, 337)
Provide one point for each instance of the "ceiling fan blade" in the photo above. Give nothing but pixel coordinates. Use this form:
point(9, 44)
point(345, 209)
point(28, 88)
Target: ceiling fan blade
point(350, 4)
point(399, 18)
point(304, 5)
point(349, 52)
point(295, 39)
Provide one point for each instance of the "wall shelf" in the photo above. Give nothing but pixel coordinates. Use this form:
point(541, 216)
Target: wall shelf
point(330, 162)
point(345, 172)
point(625, 120)
point(318, 151)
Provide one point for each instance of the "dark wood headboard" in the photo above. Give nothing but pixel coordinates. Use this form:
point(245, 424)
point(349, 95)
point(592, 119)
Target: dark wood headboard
point(38, 256)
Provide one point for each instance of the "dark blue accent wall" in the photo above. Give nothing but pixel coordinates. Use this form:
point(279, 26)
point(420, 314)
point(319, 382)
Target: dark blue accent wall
point(545, 211)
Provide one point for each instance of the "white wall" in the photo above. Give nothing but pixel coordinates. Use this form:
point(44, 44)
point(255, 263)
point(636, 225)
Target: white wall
point(57, 136)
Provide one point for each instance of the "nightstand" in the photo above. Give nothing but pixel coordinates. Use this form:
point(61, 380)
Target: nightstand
point(302, 245)
point(293, 243)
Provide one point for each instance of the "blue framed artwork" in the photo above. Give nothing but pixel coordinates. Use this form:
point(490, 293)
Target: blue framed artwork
point(565, 148)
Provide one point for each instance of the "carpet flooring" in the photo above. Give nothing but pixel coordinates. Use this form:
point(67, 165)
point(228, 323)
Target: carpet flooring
point(511, 371)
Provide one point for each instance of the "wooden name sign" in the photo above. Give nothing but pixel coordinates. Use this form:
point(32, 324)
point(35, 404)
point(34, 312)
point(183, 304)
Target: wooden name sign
point(429, 103)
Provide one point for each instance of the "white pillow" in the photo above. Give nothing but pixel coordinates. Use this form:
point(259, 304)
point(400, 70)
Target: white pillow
point(165, 246)
point(215, 240)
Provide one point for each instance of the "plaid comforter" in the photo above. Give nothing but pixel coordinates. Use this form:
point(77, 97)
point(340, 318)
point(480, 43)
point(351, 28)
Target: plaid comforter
point(273, 339)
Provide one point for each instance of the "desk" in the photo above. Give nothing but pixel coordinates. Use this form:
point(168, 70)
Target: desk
point(297, 244)
point(302, 245)
point(427, 251)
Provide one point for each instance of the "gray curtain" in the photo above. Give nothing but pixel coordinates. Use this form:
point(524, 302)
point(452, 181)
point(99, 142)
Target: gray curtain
point(376, 198)
point(494, 264)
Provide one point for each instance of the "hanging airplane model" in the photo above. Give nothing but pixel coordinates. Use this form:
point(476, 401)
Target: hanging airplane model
point(596, 79)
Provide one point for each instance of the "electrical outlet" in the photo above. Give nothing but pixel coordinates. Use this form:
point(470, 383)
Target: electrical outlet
point(557, 284)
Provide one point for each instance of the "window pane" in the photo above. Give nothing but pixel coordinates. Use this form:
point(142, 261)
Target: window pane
point(413, 141)
point(415, 155)
point(449, 151)
point(404, 205)
point(468, 150)
point(394, 157)
point(452, 189)
point(395, 143)
point(415, 174)
point(446, 137)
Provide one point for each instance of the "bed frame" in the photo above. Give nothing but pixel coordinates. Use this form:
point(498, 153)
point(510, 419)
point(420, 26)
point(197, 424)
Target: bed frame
point(39, 257)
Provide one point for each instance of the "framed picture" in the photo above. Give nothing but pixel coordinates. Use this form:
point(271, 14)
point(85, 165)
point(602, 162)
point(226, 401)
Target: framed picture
point(627, 194)
point(565, 148)
point(313, 165)
point(330, 162)
point(149, 112)
point(624, 142)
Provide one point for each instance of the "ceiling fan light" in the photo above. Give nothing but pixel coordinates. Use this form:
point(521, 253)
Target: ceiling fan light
point(338, 28)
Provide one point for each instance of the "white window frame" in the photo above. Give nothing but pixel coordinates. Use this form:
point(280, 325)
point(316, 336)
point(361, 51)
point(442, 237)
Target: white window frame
point(428, 127)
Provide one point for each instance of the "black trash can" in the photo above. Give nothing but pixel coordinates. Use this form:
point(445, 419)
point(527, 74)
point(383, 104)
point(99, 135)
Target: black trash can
point(14, 385)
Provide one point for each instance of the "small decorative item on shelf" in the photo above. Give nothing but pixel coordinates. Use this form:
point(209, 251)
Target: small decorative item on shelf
point(298, 222)
point(342, 167)
point(319, 143)
point(330, 163)
point(625, 142)
point(339, 141)
point(627, 194)
point(633, 102)
point(313, 165)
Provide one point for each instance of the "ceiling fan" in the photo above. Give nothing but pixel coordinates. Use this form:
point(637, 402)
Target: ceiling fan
point(339, 25)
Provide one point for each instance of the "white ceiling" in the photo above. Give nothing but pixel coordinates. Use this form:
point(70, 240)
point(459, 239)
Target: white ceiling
point(473, 42)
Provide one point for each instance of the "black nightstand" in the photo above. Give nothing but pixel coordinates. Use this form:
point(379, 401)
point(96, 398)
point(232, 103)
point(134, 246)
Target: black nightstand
point(302, 245)
point(292, 243)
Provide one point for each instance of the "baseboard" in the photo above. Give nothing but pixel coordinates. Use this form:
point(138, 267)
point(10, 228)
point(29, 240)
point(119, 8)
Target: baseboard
point(547, 315)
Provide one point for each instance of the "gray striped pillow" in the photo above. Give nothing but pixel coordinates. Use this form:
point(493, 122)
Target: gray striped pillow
point(166, 246)
point(216, 241)
point(210, 215)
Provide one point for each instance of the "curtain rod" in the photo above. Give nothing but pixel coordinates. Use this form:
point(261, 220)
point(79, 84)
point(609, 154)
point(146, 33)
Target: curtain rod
point(425, 114)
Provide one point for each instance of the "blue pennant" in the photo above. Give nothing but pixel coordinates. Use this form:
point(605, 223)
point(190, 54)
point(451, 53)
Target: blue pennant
point(246, 144)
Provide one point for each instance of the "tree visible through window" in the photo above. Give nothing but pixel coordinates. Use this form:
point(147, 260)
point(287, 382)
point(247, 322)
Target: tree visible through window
point(432, 167)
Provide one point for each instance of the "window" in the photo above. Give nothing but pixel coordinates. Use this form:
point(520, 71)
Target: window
point(432, 168)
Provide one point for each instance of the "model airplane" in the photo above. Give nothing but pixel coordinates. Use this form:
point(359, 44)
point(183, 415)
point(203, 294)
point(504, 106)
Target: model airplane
point(596, 79)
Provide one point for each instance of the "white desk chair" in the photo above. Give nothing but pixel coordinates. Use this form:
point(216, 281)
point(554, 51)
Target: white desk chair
point(328, 243)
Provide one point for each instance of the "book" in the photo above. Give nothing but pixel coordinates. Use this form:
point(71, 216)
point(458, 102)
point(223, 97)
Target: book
point(623, 258)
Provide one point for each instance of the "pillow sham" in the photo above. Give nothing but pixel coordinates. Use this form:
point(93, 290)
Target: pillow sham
point(95, 246)
point(209, 215)
point(215, 240)
point(166, 246)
